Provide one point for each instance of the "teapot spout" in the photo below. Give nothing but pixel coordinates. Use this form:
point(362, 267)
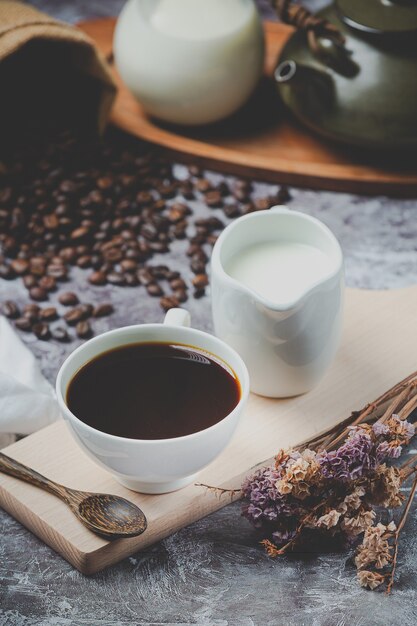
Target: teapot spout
point(309, 86)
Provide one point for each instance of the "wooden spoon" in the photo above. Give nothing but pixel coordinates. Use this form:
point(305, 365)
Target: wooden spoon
point(110, 516)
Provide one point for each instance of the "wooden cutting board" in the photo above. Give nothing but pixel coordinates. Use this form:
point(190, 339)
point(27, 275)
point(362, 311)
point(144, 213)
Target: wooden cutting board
point(262, 140)
point(379, 348)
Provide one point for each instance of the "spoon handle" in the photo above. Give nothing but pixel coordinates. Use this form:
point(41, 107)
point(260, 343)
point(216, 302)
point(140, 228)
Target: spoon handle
point(18, 470)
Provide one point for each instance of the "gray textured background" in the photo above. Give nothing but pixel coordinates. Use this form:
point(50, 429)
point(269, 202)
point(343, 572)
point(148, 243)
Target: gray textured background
point(213, 572)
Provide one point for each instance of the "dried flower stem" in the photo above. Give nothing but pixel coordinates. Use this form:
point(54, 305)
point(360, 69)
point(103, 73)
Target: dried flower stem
point(219, 491)
point(398, 394)
point(398, 531)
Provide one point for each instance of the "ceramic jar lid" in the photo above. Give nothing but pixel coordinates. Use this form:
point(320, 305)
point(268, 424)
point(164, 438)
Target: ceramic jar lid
point(379, 16)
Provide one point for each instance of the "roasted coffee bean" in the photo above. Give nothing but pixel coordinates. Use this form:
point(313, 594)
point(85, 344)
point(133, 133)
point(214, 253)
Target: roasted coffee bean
point(105, 182)
point(38, 294)
point(242, 195)
point(51, 221)
point(212, 238)
point(81, 250)
point(60, 334)
point(128, 265)
point(116, 278)
point(6, 272)
point(68, 298)
point(197, 266)
point(102, 310)
point(144, 197)
point(154, 289)
point(200, 281)
point(144, 276)
point(246, 208)
point(187, 191)
point(84, 261)
point(133, 254)
point(131, 280)
point(41, 331)
point(202, 230)
point(48, 283)
point(242, 186)
point(195, 170)
point(198, 239)
point(20, 266)
point(80, 233)
point(68, 254)
point(169, 302)
point(160, 271)
point(158, 205)
point(10, 309)
point(192, 249)
point(68, 187)
point(177, 283)
point(29, 281)
point(199, 255)
point(114, 255)
point(223, 189)
point(58, 271)
point(203, 185)
point(49, 314)
point(199, 293)
point(172, 275)
point(31, 311)
point(181, 295)
point(149, 231)
point(83, 330)
point(73, 316)
point(87, 310)
point(177, 212)
point(262, 204)
point(167, 191)
point(213, 199)
point(98, 278)
point(282, 196)
point(179, 230)
point(24, 324)
point(231, 210)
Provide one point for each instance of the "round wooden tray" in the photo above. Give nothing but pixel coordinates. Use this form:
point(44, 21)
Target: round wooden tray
point(261, 140)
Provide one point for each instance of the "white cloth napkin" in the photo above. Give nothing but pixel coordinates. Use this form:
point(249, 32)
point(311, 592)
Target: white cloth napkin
point(27, 400)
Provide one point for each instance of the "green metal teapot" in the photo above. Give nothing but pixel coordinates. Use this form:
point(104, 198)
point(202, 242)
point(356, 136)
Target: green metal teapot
point(350, 71)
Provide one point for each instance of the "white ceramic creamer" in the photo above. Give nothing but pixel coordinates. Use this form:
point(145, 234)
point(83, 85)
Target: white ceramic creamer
point(277, 298)
point(190, 61)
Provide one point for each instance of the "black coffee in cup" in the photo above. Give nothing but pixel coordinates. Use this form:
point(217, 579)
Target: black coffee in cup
point(153, 391)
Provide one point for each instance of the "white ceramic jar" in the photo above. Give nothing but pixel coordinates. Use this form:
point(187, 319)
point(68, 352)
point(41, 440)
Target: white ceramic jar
point(287, 346)
point(190, 61)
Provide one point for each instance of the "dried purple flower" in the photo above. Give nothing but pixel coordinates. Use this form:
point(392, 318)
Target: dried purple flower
point(352, 460)
point(384, 451)
point(264, 503)
point(380, 428)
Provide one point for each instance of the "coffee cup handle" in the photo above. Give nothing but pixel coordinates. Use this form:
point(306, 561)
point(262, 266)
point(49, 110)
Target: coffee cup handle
point(178, 317)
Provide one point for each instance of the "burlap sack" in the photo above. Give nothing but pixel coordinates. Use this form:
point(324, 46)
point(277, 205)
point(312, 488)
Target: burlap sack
point(50, 73)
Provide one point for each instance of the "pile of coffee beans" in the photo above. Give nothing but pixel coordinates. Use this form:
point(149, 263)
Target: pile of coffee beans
point(106, 207)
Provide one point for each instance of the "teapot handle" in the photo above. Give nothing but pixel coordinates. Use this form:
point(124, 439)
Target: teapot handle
point(302, 19)
point(325, 41)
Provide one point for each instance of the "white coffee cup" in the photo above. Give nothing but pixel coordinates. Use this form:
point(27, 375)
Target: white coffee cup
point(160, 465)
point(287, 347)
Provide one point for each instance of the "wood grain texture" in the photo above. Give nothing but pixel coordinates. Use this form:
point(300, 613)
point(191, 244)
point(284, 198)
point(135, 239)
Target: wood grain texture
point(262, 140)
point(107, 515)
point(379, 348)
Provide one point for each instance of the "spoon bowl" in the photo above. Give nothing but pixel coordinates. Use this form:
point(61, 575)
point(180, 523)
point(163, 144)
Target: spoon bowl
point(109, 516)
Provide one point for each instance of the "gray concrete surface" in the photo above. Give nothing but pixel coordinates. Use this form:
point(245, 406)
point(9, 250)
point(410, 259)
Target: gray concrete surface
point(213, 573)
